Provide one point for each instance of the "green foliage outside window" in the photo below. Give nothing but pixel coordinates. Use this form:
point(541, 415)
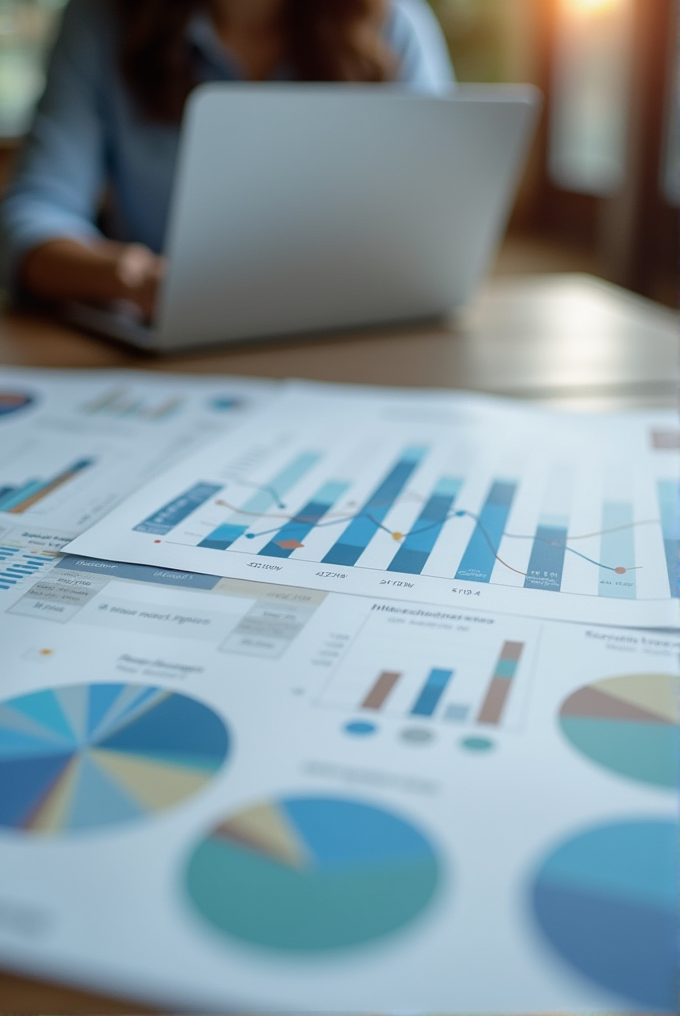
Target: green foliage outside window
point(489, 40)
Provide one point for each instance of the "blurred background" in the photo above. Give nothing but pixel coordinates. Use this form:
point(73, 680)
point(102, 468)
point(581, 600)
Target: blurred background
point(602, 187)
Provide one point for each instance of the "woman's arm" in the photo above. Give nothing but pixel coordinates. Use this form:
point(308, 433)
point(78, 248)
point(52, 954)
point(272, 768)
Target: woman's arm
point(50, 245)
point(102, 272)
point(414, 34)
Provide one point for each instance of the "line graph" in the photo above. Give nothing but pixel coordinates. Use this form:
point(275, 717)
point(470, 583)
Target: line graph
point(311, 520)
point(478, 504)
point(316, 515)
point(479, 543)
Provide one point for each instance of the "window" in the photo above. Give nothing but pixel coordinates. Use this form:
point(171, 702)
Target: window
point(591, 95)
point(26, 28)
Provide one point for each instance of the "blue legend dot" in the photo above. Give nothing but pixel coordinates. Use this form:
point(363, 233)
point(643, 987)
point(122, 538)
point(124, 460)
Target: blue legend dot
point(478, 744)
point(359, 728)
point(226, 402)
point(250, 536)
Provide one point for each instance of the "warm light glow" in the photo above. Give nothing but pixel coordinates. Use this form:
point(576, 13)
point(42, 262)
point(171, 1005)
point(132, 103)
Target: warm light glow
point(593, 6)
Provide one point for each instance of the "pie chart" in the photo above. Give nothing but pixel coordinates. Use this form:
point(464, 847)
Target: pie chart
point(311, 875)
point(629, 725)
point(607, 902)
point(13, 402)
point(93, 755)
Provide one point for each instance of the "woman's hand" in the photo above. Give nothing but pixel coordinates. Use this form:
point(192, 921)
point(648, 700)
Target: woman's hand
point(103, 272)
point(140, 272)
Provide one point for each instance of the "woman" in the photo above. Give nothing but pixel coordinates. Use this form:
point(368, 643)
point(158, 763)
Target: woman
point(106, 131)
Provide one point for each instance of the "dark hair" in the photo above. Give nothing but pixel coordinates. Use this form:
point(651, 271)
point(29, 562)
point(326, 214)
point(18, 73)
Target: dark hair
point(327, 40)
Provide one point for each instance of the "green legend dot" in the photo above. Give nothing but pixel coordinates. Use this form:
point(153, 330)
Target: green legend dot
point(478, 744)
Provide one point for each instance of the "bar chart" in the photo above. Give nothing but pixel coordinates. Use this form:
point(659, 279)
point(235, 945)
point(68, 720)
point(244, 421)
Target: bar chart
point(469, 675)
point(503, 513)
point(433, 686)
point(18, 565)
point(15, 500)
point(486, 537)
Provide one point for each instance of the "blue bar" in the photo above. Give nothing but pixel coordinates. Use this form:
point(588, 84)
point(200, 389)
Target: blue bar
point(669, 504)
point(139, 573)
point(77, 467)
point(363, 528)
point(547, 556)
point(457, 713)
point(433, 689)
point(303, 523)
point(4, 491)
point(479, 558)
point(240, 522)
point(164, 521)
point(415, 550)
point(20, 494)
point(36, 486)
point(617, 549)
point(223, 537)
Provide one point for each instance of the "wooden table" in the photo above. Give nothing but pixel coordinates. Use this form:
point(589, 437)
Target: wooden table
point(568, 340)
point(564, 338)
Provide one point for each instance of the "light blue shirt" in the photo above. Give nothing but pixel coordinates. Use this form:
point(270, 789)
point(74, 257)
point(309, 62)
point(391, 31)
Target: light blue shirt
point(88, 137)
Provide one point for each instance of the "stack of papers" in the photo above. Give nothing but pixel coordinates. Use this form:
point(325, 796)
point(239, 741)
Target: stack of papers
point(329, 698)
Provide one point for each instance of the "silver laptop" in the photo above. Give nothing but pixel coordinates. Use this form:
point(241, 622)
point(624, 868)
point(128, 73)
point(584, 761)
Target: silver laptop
point(301, 208)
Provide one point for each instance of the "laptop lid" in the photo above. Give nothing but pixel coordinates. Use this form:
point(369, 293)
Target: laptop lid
point(301, 208)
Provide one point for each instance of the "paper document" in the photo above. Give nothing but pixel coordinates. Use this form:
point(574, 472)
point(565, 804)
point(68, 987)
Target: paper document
point(444, 498)
point(218, 793)
point(73, 444)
